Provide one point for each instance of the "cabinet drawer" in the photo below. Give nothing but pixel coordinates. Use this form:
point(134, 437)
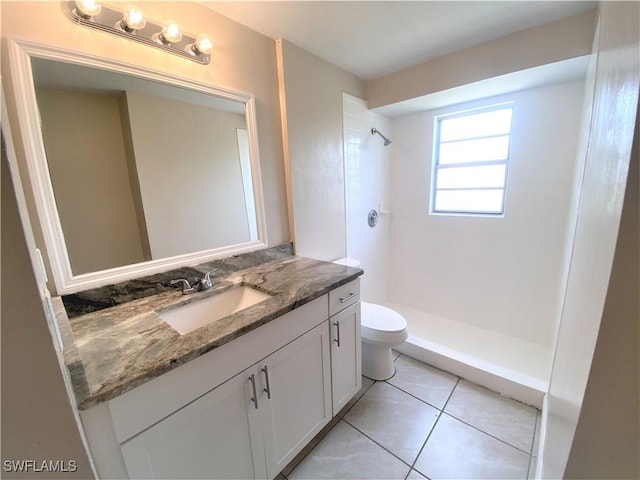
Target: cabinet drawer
point(344, 296)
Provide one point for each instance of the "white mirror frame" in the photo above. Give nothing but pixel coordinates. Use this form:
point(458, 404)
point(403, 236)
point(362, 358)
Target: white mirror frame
point(20, 54)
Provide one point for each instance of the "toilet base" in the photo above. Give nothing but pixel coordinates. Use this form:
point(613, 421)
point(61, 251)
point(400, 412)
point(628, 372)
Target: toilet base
point(377, 361)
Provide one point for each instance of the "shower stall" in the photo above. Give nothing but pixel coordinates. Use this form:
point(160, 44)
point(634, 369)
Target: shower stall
point(481, 295)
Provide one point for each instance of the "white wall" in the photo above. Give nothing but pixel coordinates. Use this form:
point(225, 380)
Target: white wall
point(608, 151)
point(607, 439)
point(501, 274)
point(311, 95)
point(188, 169)
point(367, 187)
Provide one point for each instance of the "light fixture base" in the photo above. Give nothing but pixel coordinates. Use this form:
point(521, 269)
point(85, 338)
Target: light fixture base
point(109, 19)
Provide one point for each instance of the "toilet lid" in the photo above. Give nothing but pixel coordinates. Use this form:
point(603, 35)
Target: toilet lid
point(383, 319)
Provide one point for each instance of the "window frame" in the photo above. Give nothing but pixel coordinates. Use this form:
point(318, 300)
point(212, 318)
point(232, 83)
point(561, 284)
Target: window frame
point(435, 163)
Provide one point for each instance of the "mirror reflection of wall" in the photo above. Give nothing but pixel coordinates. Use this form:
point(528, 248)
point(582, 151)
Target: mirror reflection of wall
point(138, 176)
point(90, 174)
point(189, 174)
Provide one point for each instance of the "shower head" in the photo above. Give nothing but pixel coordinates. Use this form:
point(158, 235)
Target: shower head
point(387, 141)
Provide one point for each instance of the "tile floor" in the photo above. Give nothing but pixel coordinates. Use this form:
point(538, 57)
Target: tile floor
point(423, 423)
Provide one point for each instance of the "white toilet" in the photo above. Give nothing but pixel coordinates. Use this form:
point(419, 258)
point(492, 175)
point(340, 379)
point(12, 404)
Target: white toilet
point(382, 329)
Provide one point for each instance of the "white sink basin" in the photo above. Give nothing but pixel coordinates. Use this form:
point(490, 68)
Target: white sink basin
point(198, 313)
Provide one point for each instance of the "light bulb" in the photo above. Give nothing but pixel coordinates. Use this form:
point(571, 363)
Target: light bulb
point(170, 32)
point(132, 19)
point(203, 44)
point(88, 8)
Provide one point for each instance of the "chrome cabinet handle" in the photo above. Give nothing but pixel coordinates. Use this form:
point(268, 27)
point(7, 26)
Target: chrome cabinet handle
point(337, 339)
point(254, 399)
point(266, 377)
point(348, 297)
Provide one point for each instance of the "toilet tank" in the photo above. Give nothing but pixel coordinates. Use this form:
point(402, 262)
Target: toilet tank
point(349, 262)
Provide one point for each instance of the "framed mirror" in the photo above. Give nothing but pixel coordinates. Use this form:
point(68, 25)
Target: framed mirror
point(133, 171)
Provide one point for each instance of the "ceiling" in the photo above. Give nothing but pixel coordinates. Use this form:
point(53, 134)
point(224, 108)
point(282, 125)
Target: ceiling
point(81, 78)
point(374, 38)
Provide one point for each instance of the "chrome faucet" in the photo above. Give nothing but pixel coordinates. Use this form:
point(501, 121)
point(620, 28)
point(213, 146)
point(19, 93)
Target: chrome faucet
point(201, 284)
point(186, 286)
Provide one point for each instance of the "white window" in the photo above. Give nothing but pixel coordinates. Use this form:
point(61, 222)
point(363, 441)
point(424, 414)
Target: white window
point(471, 159)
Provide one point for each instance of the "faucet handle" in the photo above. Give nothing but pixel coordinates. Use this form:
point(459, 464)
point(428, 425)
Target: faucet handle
point(206, 282)
point(186, 286)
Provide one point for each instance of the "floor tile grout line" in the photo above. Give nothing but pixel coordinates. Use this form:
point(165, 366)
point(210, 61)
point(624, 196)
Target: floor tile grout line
point(429, 366)
point(486, 433)
point(438, 369)
point(415, 460)
point(376, 442)
point(501, 395)
point(416, 397)
point(535, 431)
point(441, 411)
point(533, 441)
point(411, 395)
point(451, 394)
point(341, 418)
point(358, 400)
point(309, 453)
point(459, 379)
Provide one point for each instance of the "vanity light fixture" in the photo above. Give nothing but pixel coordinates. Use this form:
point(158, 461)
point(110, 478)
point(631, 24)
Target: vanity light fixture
point(87, 8)
point(130, 23)
point(132, 19)
point(203, 44)
point(170, 33)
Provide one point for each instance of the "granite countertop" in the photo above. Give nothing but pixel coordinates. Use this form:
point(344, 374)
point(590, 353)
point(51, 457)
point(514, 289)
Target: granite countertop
point(115, 349)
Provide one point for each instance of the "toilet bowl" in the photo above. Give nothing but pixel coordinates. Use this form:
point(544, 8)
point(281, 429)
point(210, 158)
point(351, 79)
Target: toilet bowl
point(381, 329)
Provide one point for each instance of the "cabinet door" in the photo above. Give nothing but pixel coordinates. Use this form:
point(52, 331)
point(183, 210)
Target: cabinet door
point(213, 437)
point(297, 380)
point(346, 362)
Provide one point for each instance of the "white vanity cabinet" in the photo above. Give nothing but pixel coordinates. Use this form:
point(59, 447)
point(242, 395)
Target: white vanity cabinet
point(299, 387)
point(346, 360)
point(251, 426)
point(243, 410)
point(215, 436)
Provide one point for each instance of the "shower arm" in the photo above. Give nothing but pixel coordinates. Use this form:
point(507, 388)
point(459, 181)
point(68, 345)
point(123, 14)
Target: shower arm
point(375, 131)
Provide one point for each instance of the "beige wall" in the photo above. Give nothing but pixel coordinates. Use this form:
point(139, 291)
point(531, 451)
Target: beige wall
point(188, 168)
point(134, 182)
point(312, 125)
point(552, 42)
point(607, 439)
point(36, 420)
point(242, 60)
point(86, 154)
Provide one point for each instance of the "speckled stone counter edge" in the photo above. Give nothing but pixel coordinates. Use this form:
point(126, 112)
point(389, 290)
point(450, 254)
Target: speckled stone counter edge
point(113, 350)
